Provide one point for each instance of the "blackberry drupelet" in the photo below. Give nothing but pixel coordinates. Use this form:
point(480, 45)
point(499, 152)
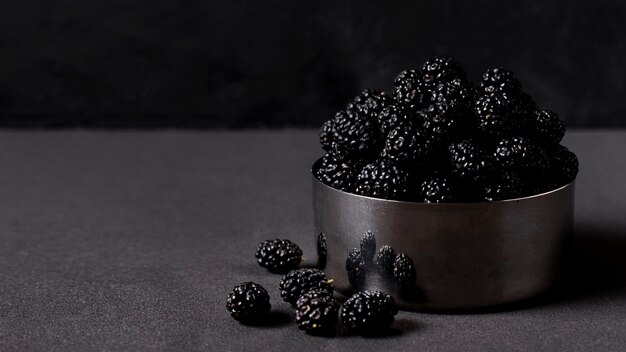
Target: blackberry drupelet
point(339, 172)
point(248, 301)
point(548, 127)
point(326, 135)
point(498, 115)
point(356, 133)
point(440, 69)
point(385, 259)
point(439, 189)
point(278, 256)
point(406, 144)
point(383, 180)
point(507, 185)
point(356, 267)
point(368, 312)
point(370, 103)
point(469, 161)
point(393, 116)
point(368, 246)
point(519, 153)
point(317, 312)
point(298, 282)
point(404, 270)
point(500, 80)
point(409, 89)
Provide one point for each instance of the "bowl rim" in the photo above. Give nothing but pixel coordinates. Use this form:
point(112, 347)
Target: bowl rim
point(315, 166)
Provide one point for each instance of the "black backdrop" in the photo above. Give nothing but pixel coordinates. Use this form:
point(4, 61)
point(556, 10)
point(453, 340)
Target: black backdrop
point(199, 63)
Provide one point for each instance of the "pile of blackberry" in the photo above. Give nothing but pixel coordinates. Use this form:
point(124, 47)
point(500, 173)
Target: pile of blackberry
point(439, 138)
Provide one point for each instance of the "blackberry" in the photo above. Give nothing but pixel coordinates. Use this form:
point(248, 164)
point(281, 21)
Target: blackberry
point(368, 246)
point(406, 144)
point(469, 161)
point(440, 127)
point(393, 116)
point(298, 282)
point(409, 89)
point(339, 172)
point(370, 103)
point(548, 127)
point(326, 135)
point(382, 180)
point(507, 185)
point(499, 80)
point(317, 312)
point(368, 311)
point(248, 301)
point(439, 189)
point(498, 115)
point(404, 270)
point(385, 259)
point(564, 165)
point(440, 69)
point(356, 133)
point(322, 251)
point(278, 256)
point(519, 153)
point(355, 267)
point(453, 97)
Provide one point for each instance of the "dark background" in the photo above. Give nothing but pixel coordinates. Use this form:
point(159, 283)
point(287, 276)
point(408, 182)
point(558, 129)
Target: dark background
point(199, 63)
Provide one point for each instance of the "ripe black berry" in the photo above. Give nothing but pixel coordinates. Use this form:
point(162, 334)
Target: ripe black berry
point(317, 312)
point(339, 172)
point(506, 185)
point(382, 180)
point(406, 144)
point(370, 103)
point(368, 246)
point(356, 133)
point(404, 270)
point(409, 89)
point(498, 115)
point(519, 153)
point(326, 135)
point(470, 161)
point(393, 116)
point(368, 311)
point(278, 256)
point(500, 80)
point(453, 97)
point(439, 69)
point(439, 189)
point(298, 282)
point(564, 165)
point(548, 127)
point(355, 267)
point(385, 258)
point(248, 301)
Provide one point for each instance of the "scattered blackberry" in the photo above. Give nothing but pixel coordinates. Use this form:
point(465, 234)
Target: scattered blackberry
point(393, 116)
point(368, 311)
point(564, 165)
point(317, 312)
point(278, 256)
point(368, 246)
point(507, 185)
point(383, 180)
point(385, 259)
point(498, 115)
point(548, 127)
point(322, 251)
point(356, 133)
point(406, 144)
point(404, 270)
point(298, 282)
point(355, 267)
point(248, 301)
point(326, 135)
point(439, 189)
point(440, 69)
point(469, 161)
point(339, 172)
point(409, 89)
point(499, 80)
point(519, 153)
point(370, 103)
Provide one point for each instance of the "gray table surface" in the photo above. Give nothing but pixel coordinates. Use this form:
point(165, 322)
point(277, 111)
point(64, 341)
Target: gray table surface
point(132, 240)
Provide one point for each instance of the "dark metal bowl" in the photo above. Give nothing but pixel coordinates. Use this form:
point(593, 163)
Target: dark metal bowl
point(466, 255)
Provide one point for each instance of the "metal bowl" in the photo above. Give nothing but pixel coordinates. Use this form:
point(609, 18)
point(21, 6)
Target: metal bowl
point(466, 255)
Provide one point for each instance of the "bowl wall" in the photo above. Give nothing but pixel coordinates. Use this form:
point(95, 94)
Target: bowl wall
point(466, 255)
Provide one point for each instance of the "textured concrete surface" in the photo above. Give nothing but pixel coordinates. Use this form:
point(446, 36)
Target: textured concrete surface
point(131, 241)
